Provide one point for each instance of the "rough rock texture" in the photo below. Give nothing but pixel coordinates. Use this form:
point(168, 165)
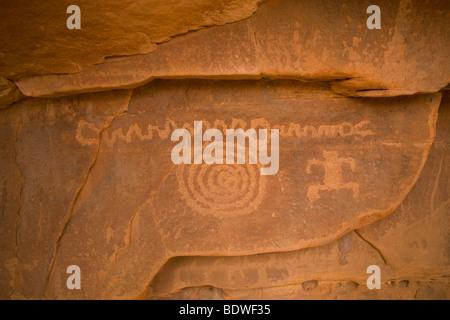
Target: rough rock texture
point(416, 239)
point(9, 93)
point(293, 39)
point(411, 246)
point(43, 169)
point(36, 41)
point(96, 174)
point(330, 290)
point(86, 176)
point(344, 259)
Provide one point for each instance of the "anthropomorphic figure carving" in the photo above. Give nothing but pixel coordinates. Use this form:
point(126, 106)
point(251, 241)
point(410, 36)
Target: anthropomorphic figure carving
point(333, 175)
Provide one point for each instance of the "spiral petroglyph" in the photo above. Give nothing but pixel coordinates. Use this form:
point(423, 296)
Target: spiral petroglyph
point(221, 189)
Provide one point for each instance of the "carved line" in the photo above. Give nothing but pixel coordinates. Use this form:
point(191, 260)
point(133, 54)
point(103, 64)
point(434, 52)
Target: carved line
point(344, 129)
point(220, 188)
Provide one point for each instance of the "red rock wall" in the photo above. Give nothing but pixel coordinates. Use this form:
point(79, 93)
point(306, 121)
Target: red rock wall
point(87, 176)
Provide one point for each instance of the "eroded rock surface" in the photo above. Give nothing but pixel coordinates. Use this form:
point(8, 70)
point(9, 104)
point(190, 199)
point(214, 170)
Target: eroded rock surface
point(292, 39)
point(36, 41)
point(86, 170)
point(330, 290)
point(9, 93)
point(115, 203)
point(345, 259)
point(411, 243)
point(43, 169)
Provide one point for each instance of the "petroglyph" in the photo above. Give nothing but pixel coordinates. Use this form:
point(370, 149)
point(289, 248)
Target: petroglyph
point(151, 131)
point(126, 196)
point(85, 127)
point(333, 175)
point(345, 129)
point(221, 189)
point(236, 189)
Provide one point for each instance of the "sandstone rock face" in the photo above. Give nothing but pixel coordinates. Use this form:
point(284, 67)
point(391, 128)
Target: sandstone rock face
point(125, 198)
point(292, 39)
point(344, 259)
point(415, 239)
point(9, 93)
point(329, 290)
point(411, 243)
point(108, 132)
point(43, 169)
point(36, 41)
